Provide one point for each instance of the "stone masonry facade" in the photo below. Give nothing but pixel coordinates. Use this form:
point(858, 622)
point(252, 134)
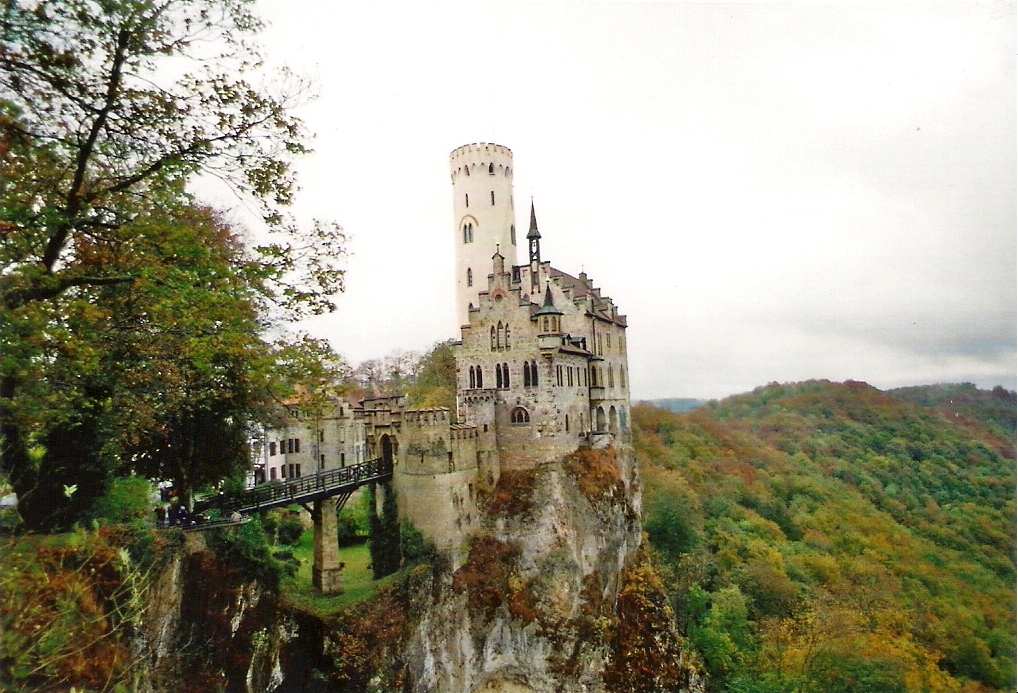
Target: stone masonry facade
point(541, 370)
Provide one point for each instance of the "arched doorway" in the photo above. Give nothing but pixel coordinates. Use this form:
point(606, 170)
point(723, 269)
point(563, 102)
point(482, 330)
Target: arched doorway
point(389, 448)
point(613, 420)
point(600, 419)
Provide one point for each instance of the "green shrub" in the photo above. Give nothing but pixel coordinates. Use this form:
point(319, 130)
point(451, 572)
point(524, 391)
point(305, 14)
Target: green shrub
point(414, 547)
point(290, 529)
point(347, 527)
point(128, 498)
point(246, 549)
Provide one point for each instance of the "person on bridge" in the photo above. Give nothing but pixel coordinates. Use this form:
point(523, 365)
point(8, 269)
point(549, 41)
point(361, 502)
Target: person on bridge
point(160, 516)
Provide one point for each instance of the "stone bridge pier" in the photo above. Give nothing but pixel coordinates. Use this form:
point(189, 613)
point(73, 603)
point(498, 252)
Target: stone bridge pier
point(326, 569)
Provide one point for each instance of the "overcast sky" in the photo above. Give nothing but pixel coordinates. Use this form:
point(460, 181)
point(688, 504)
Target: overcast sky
point(771, 192)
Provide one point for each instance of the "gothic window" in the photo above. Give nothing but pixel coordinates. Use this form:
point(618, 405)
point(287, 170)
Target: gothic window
point(480, 378)
point(622, 377)
point(533, 373)
point(498, 376)
point(526, 375)
point(512, 234)
point(611, 375)
point(493, 342)
point(491, 169)
point(505, 375)
point(519, 415)
point(465, 237)
point(272, 449)
point(500, 336)
point(470, 231)
point(470, 277)
point(473, 378)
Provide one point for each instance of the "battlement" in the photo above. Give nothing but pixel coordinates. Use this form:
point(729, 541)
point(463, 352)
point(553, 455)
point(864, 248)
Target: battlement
point(481, 158)
point(439, 416)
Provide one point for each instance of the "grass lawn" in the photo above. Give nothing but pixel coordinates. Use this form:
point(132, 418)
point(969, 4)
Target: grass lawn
point(357, 582)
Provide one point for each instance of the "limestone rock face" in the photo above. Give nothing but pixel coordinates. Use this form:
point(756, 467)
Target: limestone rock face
point(533, 607)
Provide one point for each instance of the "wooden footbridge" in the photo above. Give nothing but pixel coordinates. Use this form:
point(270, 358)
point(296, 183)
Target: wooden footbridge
point(329, 483)
point(326, 492)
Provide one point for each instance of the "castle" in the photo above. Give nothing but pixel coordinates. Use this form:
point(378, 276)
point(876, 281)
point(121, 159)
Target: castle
point(541, 370)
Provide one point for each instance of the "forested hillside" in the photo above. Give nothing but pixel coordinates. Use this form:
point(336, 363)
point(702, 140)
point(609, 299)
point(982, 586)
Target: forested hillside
point(832, 537)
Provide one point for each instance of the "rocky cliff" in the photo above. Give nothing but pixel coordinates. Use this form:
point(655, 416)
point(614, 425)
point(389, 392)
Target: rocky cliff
point(536, 605)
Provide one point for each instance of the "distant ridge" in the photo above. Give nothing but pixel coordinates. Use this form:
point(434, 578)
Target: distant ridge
point(677, 404)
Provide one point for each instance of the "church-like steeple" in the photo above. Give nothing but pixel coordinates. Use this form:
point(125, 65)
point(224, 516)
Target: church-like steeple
point(534, 237)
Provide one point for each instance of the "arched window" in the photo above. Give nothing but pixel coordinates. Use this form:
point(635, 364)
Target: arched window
point(493, 342)
point(507, 335)
point(500, 335)
point(498, 376)
point(480, 378)
point(465, 237)
point(519, 415)
point(526, 375)
point(491, 169)
point(505, 375)
point(512, 234)
point(473, 378)
point(623, 420)
point(533, 373)
point(470, 231)
point(470, 277)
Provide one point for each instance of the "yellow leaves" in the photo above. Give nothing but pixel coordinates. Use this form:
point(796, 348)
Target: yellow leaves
point(833, 645)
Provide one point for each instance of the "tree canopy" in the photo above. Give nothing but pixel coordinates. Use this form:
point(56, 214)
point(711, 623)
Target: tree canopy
point(134, 316)
point(831, 537)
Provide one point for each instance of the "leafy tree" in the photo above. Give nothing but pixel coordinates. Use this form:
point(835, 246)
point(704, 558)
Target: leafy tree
point(132, 314)
point(384, 532)
point(435, 384)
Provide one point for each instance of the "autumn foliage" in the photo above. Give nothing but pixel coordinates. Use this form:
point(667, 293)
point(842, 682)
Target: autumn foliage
point(823, 537)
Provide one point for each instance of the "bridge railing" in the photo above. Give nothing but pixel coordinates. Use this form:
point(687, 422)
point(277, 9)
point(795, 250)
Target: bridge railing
point(301, 488)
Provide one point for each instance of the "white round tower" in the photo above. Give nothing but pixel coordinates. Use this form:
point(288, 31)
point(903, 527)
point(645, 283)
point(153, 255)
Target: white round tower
point(484, 221)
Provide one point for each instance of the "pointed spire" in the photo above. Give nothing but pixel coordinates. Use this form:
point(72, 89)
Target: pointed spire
point(549, 304)
point(533, 233)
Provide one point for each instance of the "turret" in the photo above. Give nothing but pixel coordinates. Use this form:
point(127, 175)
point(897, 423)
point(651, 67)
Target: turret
point(483, 217)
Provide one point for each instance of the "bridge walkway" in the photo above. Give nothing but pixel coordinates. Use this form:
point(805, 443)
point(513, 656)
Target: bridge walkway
point(341, 481)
